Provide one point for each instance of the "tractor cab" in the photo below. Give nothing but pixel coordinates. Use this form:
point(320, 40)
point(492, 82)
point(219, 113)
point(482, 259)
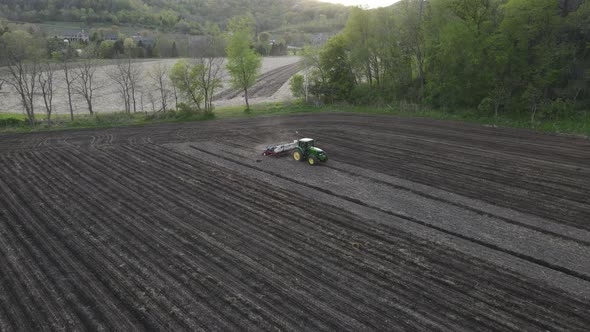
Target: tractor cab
point(306, 143)
point(307, 151)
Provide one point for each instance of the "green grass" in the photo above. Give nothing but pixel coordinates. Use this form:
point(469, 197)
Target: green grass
point(4, 116)
point(580, 125)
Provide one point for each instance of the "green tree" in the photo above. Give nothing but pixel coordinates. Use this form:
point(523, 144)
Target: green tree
point(243, 63)
point(184, 78)
point(358, 34)
point(337, 68)
point(106, 50)
point(297, 85)
point(197, 81)
point(263, 45)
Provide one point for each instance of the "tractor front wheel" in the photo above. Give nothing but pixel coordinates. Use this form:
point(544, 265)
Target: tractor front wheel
point(312, 160)
point(297, 155)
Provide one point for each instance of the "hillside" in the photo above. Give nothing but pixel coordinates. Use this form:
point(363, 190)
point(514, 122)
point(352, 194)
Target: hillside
point(185, 16)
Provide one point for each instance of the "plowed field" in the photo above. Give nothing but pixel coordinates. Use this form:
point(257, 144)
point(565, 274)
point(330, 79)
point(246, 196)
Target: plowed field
point(411, 225)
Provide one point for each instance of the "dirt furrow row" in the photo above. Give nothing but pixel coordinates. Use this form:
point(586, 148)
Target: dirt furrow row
point(103, 229)
point(43, 273)
point(115, 261)
point(460, 156)
point(212, 203)
point(204, 262)
point(349, 253)
point(460, 205)
point(153, 245)
point(265, 85)
point(84, 263)
point(514, 141)
point(18, 300)
point(510, 194)
point(325, 265)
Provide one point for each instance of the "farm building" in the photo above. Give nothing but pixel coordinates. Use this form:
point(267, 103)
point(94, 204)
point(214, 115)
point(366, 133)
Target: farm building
point(75, 35)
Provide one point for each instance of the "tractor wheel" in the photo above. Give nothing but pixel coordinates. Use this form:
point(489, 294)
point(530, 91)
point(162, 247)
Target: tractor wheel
point(297, 155)
point(312, 160)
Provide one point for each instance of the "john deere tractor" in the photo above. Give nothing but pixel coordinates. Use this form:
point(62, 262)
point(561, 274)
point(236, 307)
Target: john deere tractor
point(306, 150)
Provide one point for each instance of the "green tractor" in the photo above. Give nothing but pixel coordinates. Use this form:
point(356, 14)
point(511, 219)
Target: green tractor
point(306, 150)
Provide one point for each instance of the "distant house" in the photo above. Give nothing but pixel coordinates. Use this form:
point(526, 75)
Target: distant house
point(111, 36)
point(321, 38)
point(75, 36)
point(294, 49)
point(145, 41)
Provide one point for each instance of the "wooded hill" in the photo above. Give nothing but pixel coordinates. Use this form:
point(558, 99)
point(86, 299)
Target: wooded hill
point(186, 16)
point(494, 55)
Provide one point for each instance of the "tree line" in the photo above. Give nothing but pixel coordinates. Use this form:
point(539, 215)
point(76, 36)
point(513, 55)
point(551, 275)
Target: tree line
point(491, 55)
point(192, 83)
point(181, 16)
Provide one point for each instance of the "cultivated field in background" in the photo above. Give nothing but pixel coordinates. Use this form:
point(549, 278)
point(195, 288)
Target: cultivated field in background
point(272, 86)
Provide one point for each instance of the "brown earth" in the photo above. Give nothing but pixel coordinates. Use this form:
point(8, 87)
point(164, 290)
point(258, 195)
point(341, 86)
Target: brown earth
point(411, 225)
point(273, 75)
point(266, 85)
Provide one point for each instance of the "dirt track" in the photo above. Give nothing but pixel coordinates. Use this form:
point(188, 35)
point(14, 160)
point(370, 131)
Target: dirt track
point(267, 84)
point(412, 224)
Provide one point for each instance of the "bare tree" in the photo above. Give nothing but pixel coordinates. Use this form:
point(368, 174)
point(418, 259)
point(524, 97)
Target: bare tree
point(158, 76)
point(86, 83)
point(21, 55)
point(46, 84)
point(134, 74)
point(210, 78)
point(175, 92)
point(70, 77)
point(118, 74)
point(152, 102)
point(126, 75)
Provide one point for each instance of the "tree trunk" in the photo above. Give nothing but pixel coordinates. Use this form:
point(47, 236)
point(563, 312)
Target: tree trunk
point(133, 99)
point(68, 83)
point(89, 102)
point(369, 75)
point(246, 96)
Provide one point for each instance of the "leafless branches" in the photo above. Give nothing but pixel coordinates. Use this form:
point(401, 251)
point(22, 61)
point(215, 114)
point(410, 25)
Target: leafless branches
point(86, 84)
point(126, 74)
point(22, 77)
point(210, 78)
point(46, 84)
point(158, 76)
point(70, 77)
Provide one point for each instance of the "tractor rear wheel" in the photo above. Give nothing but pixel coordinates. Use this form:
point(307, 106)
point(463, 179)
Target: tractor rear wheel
point(312, 160)
point(297, 155)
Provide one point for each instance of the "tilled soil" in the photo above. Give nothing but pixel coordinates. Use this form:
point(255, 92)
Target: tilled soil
point(187, 227)
point(266, 85)
point(274, 74)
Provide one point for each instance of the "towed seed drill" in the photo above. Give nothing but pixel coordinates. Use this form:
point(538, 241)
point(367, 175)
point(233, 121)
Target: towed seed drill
point(301, 150)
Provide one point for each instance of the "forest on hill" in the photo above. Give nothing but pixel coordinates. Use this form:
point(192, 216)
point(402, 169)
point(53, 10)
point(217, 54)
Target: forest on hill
point(496, 56)
point(180, 16)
